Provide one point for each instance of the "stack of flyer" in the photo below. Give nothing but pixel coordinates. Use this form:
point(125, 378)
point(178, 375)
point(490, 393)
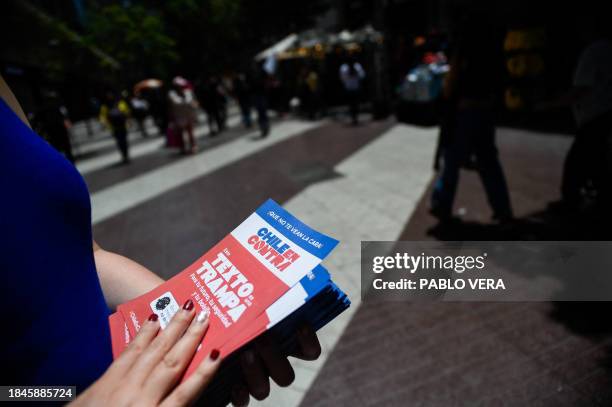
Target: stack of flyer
point(264, 275)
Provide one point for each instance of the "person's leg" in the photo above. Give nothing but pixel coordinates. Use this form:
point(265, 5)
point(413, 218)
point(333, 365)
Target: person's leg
point(445, 186)
point(262, 115)
point(309, 99)
point(219, 119)
point(575, 171)
point(605, 179)
point(489, 167)
point(223, 115)
point(356, 100)
point(180, 133)
point(597, 142)
point(453, 152)
point(193, 146)
point(141, 126)
point(353, 106)
point(245, 110)
point(121, 138)
point(211, 122)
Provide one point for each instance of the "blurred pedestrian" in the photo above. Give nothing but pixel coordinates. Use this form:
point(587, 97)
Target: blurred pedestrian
point(314, 91)
point(114, 114)
point(308, 90)
point(471, 91)
point(140, 111)
point(53, 122)
point(590, 156)
point(183, 111)
point(157, 100)
point(351, 75)
point(259, 84)
point(242, 93)
point(212, 101)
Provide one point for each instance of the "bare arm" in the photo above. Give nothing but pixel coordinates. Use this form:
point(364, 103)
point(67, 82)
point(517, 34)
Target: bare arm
point(121, 278)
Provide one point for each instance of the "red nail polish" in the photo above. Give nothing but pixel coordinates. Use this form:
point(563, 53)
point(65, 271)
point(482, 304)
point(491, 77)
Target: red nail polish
point(214, 355)
point(153, 317)
point(188, 306)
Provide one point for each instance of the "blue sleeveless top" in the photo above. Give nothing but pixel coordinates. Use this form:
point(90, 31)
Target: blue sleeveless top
point(54, 318)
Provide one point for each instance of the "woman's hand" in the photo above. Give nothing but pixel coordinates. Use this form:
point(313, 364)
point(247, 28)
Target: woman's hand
point(149, 370)
point(264, 360)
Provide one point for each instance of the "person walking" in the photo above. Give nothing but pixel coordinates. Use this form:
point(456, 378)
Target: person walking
point(259, 86)
point(212, 102)
point(242, 93)
point(351, 75)
point(590, 156)
point(471, 92)
point(114, 115)
point(183, 112)
point(314, 93)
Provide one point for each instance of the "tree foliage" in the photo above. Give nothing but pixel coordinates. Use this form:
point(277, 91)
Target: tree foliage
point(134, 36)
point(194, 37)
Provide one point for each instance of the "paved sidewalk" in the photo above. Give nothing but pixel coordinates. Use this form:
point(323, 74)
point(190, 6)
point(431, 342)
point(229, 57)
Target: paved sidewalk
point(477, 354)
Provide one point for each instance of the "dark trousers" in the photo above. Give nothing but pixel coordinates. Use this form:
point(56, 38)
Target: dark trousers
point(352, 96)
point(589, 160)
point(245, 110)
point(120, 135)
point(215, 119)
point(474, 133)
point(261, 106)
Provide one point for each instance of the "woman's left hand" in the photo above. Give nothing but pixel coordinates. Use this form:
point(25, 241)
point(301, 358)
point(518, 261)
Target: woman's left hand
point(148, 373)
point(264, 360)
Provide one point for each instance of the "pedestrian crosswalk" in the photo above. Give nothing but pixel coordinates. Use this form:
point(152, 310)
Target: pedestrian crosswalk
point(88, 165)
point(124, 195)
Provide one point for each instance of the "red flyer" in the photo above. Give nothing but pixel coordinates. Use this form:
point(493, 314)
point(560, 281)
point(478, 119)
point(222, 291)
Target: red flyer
point(236, 280)
point(120, 335)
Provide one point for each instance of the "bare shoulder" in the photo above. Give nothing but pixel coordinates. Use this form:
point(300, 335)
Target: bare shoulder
point(7, 95)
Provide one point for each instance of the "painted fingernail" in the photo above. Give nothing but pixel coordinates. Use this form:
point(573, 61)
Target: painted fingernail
point(214, 355)
point(188, 306)
point(153, 317)
point(202, 316)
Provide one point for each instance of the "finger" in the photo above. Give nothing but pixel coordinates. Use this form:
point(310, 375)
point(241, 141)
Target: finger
point(309, 347)
point(255, 374)
point(173, 364)
point(276, 363)
point(154, 353)
point(188, 391)
point(145, 336)
point(240, 396)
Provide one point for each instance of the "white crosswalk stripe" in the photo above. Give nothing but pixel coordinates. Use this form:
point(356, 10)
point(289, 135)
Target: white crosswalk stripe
point(127, 194)
point(89, 165)
point(380, 187)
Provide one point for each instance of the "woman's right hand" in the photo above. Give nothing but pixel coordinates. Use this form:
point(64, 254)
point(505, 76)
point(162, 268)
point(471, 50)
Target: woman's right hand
point(149, 370)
